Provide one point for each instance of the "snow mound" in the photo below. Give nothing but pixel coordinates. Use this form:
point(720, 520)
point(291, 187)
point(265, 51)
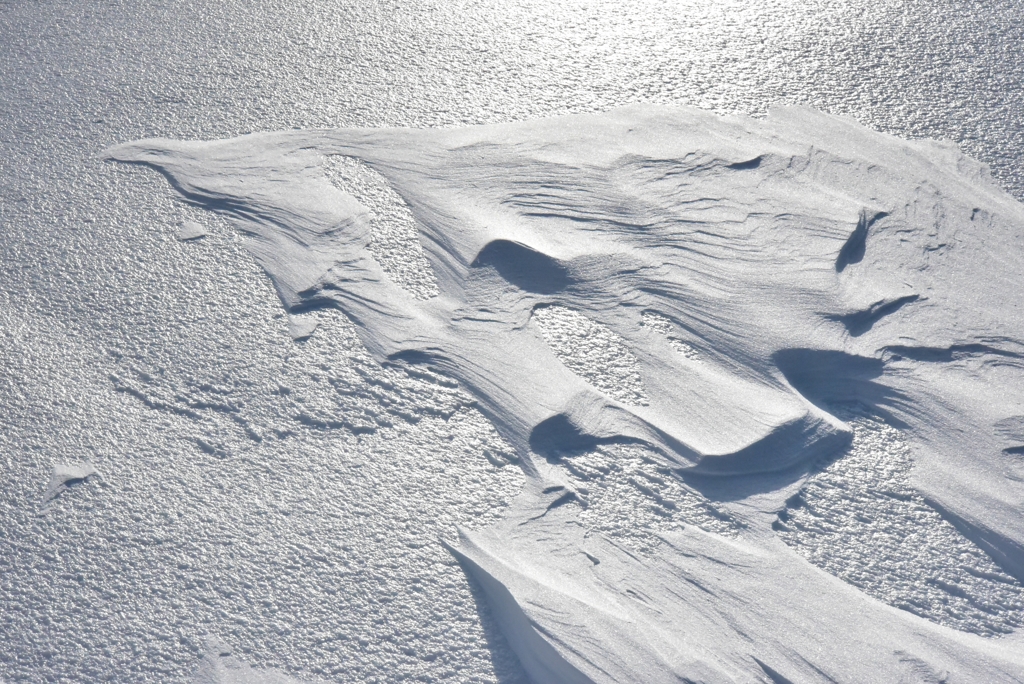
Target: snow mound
point(64, 476)
point(728, 280)
point(191, 230)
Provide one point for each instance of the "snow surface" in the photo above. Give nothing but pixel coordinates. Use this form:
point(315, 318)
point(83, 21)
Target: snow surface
point(190, 230)
point(91, 276)
point(394, 240)
point(810, 260)
point(260, 506)
point(221, 666)
point(593, 352)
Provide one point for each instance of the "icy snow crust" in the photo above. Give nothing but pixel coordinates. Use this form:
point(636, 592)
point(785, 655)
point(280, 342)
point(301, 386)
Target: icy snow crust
point(593, 352)
point(756, 272)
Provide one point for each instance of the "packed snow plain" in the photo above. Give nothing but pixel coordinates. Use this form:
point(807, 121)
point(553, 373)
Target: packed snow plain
point(762, 376)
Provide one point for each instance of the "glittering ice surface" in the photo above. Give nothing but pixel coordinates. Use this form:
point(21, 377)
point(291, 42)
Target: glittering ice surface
point(394, 238)
point(628, 495)
point(593, 352)
point(663, 326)
point(253, 492)
point(241, 449)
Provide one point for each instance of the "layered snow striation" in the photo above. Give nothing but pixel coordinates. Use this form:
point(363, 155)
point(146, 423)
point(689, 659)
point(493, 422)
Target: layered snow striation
point(658, 309)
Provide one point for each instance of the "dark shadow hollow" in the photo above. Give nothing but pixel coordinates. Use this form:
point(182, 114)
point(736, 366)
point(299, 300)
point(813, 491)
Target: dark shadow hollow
point(524, 267)
point(826, 377)
point(860, 322)
point(772, 674)
point(746, 165)
point(557, 436)
point(855, 246)
point(945, 354)
point(717, 488)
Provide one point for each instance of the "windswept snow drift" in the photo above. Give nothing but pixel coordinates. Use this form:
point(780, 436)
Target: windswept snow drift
point(658, 308)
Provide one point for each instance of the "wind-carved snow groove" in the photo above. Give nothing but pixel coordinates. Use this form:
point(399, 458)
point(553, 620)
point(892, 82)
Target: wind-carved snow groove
point(394, 237)
point(593, 352)
point(664, 326)
point(628, 495)
point(861, 521)
point(855, 247)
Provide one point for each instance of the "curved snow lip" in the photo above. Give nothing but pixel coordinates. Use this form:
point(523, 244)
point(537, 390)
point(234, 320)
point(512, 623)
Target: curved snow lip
point(62, 478)
point(703, 609)
point(524, 267)
point(538, 656)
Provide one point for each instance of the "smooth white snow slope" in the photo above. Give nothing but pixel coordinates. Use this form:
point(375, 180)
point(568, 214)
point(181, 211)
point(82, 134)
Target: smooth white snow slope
point(756, 276)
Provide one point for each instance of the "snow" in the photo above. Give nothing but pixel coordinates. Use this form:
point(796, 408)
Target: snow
point(670, 504)
point(394, 241)
point(302, 327)
point(593, 352)
point(190, 230)
point(221, 666)
point(64, 476)
point(861, 521)
point(666, 328)
point(288, 496)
